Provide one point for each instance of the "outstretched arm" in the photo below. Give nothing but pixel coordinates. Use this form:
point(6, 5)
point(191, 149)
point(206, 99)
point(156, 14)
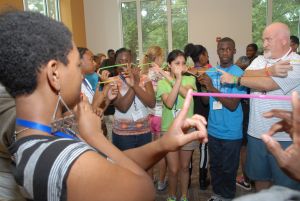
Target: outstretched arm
point(147, 155)
point(260, 79)
point(230, 103)
point(126, 171)
point(279, 69)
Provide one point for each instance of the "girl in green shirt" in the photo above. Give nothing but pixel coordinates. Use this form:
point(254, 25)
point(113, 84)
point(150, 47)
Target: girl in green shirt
point(172, 90)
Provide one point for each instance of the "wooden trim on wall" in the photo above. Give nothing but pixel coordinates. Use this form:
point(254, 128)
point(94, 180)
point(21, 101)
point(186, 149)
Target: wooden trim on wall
point(72, 15)
point(11, 5)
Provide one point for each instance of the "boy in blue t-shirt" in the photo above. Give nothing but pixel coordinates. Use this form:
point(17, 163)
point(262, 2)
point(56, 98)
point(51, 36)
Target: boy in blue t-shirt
point(224, 123)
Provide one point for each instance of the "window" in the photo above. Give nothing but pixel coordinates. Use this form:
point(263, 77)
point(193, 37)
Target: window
point(267, 11)
point(288, 13)
point(49, 8)
point(129, 22)
point(154, 22)
point(179, 24)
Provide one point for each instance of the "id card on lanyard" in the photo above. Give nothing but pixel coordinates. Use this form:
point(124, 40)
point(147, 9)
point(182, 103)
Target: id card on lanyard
point(176, 111)
point(137, 113)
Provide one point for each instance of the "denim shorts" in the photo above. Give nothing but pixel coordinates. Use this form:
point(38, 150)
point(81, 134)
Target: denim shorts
point(262, 166)
point(124, 142)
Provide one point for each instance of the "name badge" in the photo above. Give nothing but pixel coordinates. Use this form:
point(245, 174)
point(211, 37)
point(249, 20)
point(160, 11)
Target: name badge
point(217, 105)
point(175, 113)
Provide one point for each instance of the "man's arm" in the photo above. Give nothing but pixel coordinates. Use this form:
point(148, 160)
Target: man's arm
point(260, 79)
point(229, 103)
point(258, 83)
point(279, 69)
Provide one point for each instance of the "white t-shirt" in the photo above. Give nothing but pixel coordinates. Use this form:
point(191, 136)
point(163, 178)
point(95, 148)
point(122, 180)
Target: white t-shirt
point(86, 89)
point(136, 105)
point(259, 125)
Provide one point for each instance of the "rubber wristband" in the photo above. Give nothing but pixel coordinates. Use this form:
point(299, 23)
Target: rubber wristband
point(235, 79)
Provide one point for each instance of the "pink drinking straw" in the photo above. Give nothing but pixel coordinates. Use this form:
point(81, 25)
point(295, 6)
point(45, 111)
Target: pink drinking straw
point(273, 97)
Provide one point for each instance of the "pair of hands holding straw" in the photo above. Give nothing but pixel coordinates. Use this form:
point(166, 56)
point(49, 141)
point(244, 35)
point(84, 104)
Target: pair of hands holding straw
point(130, 74)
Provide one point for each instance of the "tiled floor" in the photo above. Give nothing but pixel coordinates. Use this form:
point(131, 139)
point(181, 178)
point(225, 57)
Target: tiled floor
point(195, 194)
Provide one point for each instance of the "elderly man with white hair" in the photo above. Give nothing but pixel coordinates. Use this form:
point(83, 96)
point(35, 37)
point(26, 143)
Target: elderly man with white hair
point(277, 72)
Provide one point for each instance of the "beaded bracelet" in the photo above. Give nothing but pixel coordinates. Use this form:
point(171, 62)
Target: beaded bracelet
point(235, 79)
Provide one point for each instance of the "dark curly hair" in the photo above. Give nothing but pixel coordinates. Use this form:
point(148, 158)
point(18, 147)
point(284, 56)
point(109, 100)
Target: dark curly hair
point(28, 41)
point(294, 39)
point(121, 50)
point(254, 46)
point(194, 51)
point(227, 40)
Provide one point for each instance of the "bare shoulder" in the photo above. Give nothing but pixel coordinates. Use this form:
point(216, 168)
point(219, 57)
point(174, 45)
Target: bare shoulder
point(93, 177)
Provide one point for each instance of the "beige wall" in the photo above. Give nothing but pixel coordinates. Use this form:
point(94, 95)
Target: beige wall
point(102, 20)
point(207, 19)
point(14, 4)
point(72, 15)
point(96, 24)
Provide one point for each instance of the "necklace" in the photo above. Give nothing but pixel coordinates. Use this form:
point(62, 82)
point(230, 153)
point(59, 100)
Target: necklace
point(44, 128)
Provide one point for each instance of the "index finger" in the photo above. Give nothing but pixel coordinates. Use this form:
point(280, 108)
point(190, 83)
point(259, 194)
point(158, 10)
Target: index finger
point(278, 113)
point(221, 71)
point(82, 105)
point(296, 117)
point(183, 113)
point(285, 62)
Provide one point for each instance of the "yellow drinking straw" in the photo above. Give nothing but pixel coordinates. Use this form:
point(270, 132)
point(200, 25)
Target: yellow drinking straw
point(108, 81)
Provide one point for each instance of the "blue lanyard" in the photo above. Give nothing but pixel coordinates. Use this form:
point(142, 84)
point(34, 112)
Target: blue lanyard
point(42, 127)
point(176, 102)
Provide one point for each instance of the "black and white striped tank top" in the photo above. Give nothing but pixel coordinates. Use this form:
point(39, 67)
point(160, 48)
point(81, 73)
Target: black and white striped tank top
point(42, 164)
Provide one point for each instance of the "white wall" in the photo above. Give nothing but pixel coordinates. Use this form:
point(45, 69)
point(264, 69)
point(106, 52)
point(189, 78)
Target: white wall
point(102, 24)
point(207, 19)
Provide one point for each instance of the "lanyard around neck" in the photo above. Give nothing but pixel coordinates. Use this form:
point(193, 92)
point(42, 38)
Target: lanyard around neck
point(88, 86)
point(44, 128)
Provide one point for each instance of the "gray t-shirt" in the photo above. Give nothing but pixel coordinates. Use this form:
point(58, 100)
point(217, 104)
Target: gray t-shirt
point(7, 127)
